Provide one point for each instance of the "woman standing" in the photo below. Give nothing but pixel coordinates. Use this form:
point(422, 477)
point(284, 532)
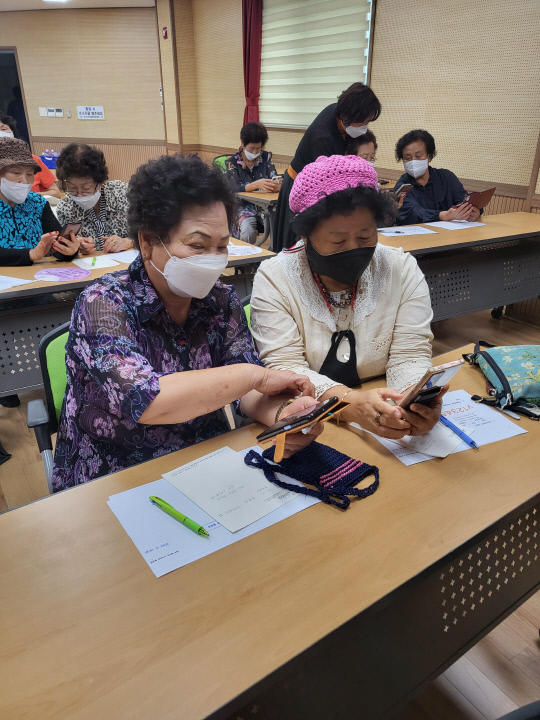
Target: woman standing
point(349, 117)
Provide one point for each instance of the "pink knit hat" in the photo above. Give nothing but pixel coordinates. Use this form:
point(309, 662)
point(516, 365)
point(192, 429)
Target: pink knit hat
point(328, 175)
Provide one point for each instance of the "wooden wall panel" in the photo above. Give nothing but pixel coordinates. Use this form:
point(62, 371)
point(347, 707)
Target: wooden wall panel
point(103, 57)
point(468, 73)
point(187, 71)
point(167, 70)
point(217, 28)
point(122, 160)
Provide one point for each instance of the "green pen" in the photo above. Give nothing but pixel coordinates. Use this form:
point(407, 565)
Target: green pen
point(191, 524)
point(94, 261)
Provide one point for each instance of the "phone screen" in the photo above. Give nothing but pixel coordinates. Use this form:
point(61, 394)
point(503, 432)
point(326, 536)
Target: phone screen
point(431, 388)
point(70, 227)
point(300, 418)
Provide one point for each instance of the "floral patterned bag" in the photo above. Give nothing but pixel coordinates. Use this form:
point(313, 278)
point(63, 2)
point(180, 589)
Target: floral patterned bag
point(513, 376)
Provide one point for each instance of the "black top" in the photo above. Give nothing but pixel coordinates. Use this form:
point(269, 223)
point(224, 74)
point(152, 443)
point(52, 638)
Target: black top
point(321, 138)
point(12, 257)
point(423, 203)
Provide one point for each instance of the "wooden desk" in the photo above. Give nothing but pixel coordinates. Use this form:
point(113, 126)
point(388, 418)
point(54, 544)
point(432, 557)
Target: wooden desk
point(268, 202)
point(328, 614)
point(240, 260)
point(478, 268)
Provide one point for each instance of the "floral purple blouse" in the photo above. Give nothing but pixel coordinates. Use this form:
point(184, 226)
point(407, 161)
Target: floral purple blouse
point(121, 341)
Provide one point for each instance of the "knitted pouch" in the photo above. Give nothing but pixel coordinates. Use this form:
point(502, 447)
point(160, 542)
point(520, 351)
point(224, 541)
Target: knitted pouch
point(333, 474)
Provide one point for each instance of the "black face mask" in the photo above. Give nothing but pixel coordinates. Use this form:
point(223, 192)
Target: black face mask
point(345, 267)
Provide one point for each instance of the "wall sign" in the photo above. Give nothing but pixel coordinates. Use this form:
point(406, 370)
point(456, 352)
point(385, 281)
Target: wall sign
point(90, 112)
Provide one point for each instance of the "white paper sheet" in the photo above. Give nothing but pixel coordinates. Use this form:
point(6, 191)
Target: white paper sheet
point(166, 544)
point(227, 489)
point(102, 261)
point(480, 422)
point(405, 230)
point(9, 282)
point(234, 250)
point(455, 224)
point(439, 442)
point(125, 256)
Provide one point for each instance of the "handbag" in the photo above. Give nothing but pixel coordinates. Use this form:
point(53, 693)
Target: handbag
point(332, 474)
point(513, 376)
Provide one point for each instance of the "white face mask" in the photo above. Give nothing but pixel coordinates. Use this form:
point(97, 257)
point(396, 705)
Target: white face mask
point(192, 276)
point(416, 168)
point(371, 162)
point(14, 191)
point(88, 201)
point(251, 156)
point(355, 132)
point(6, 133)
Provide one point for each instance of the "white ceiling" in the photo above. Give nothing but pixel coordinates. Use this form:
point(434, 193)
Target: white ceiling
point(12, 5)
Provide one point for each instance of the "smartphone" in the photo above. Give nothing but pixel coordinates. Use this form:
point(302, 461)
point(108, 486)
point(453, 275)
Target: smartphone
point(70, 227)
point(277, 179)
point(431, 384)
point(402, 189)
point(304, 418)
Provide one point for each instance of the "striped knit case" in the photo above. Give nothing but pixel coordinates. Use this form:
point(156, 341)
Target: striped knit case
point(334, 476)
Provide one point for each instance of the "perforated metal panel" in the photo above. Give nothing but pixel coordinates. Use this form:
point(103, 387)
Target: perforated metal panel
point(22, 324)
point(468, 279)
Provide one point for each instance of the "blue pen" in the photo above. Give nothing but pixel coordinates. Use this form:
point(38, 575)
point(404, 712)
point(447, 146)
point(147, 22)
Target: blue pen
point(458, 432)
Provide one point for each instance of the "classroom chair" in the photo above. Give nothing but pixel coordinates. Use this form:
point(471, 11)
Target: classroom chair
point(44, 418)
point(219, 162)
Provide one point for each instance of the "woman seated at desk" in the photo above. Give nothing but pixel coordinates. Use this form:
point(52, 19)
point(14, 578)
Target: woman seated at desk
point(435, 191)
point(251, 168)
point(155, 351)
point(28, 227)
point(339, 307)
point(365, 146)
point(91, 198)
point(44, 180)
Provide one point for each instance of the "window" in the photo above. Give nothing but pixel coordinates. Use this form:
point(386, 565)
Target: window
point(312, 50)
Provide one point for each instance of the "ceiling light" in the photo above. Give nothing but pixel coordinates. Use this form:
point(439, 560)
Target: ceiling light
point(57, 1)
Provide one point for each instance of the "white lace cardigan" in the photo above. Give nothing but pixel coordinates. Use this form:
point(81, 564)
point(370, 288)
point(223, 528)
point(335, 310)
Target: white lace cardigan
point(292, 325)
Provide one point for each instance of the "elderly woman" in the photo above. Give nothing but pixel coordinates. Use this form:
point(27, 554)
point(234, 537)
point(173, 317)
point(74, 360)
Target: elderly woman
point(156, 351)
point(251, 168)
point(91, 198)
point(327, 135)
point(436, 194)
point(341, 308)
point(28, 227)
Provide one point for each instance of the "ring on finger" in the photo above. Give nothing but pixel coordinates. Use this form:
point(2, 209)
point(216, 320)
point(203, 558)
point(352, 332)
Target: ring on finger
point(378, 419)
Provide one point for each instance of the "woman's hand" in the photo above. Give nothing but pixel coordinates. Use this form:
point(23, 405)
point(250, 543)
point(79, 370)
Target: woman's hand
point(113, 243)
point(43, 246)
point(273, 382)
point(262, 184)
point(67, 246)
point(87, 245)
point(297, 440)
point(461, 212)
point(474, 214)
point(422, 418)
point(371, 411)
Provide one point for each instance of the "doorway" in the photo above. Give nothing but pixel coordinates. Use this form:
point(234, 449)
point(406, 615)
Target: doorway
point(11, 98)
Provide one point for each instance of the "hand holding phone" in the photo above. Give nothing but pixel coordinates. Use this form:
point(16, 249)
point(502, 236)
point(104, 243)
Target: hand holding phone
point(431, 384)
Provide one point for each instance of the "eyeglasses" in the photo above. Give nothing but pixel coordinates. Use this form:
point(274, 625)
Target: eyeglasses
point(75, 192)
point(369, 159)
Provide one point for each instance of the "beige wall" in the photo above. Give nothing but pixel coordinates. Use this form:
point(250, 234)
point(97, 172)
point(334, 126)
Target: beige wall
point(89, 57)
point(468, 73)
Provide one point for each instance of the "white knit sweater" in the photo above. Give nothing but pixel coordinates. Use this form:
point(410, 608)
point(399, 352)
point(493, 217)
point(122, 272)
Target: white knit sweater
point(292, 325)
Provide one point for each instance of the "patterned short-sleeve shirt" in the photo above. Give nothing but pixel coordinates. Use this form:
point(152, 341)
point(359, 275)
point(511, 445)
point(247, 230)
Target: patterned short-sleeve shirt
point(121, 341)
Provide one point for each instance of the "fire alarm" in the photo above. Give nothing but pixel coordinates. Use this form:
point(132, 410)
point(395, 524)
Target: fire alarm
point(164, 33)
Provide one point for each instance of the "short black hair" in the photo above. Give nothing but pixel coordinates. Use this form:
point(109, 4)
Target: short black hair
point(352, 144)
point(344, 202)
point(358, 103)
point(161, 190)
point(414, 136)
point(78, 160)
point(254, 132)
point(10, 122)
